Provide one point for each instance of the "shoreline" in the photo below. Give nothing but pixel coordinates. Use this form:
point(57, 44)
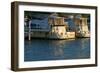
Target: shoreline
point(36, 38)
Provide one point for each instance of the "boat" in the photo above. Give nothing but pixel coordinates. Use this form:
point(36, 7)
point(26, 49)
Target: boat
point(82, 27)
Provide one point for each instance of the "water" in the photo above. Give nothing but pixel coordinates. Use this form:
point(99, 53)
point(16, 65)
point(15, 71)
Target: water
point(41, 50)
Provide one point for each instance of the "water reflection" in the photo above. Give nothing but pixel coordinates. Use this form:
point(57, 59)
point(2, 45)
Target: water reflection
point(58, 48)
point(38, 50)
point(83, 47)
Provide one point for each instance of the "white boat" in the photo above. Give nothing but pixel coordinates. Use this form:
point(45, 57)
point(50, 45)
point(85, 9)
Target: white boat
point(82, 27)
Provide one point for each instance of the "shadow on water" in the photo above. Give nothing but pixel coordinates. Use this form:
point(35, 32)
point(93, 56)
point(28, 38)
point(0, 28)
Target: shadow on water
point(40, 50)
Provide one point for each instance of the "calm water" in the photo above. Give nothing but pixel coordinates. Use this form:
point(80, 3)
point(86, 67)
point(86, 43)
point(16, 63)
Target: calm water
point(39, 50)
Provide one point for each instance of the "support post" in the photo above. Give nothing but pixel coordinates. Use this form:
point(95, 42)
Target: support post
point(29, 33)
